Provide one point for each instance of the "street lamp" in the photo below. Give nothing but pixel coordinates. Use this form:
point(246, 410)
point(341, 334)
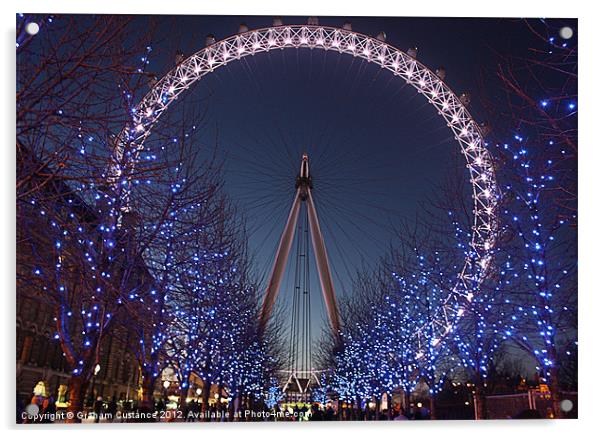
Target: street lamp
point(96, 370)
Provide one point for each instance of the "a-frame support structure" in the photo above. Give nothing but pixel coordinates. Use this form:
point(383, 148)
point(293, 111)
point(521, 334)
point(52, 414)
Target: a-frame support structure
point(303, 188)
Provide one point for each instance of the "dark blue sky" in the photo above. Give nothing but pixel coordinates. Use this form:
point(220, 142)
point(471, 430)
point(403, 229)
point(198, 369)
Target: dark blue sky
point(377, 149)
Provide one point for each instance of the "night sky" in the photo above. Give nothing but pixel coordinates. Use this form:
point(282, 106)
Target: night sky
point(376, 147)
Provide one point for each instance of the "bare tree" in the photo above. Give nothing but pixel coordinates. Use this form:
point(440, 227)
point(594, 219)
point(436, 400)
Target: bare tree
point(535, 139)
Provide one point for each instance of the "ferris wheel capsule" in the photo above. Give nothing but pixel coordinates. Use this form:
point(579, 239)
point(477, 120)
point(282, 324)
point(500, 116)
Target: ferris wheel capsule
point(413, 52)
point(209, 40)
point(465, 99)
point(347, 25)
point(485, 129)
point(152, 80)
point(313, 21)
point(381, 36)
point(440, 72)
point(242, 28)
point(277, 21)
point(179, 57)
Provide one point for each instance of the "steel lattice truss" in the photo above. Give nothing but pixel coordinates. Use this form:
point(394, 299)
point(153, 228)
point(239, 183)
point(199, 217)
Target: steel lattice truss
point(375, 50)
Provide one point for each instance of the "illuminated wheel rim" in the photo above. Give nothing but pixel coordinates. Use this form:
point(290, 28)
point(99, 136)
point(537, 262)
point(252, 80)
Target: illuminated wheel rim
point(426, 82)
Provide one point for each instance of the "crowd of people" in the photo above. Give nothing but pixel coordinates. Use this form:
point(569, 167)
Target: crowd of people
point(40, 409)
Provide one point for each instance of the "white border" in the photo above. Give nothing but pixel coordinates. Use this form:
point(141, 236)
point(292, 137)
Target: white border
point(589, 210)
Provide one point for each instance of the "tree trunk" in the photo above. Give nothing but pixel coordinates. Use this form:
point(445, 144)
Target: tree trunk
point(555, 393)
point(432, 407)
point(406, 403)
point(220, 406)
point(479, 403)
point(148, 390)
point(389, 406)
point(77, 393)
point(183, 395)
point(245, 405)
point(205, 399)
point(251, 399)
